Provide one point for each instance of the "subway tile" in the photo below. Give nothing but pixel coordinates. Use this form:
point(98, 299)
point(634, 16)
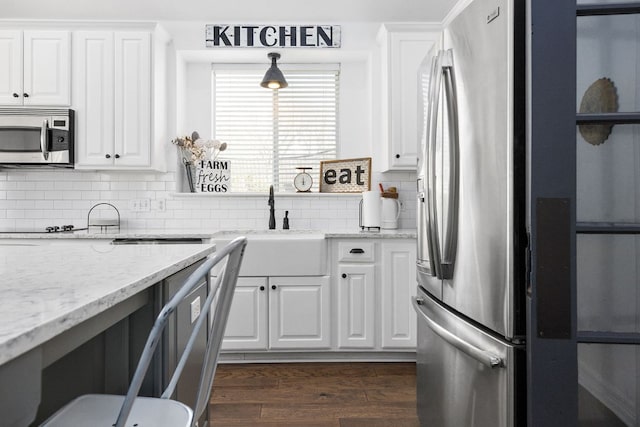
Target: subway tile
point(16, 195)
point(156, 186)
point(53, 195)
point(15, 213)
point(7, 224)
point(44, 185)
point(8, 185)
point(43, 204)
point(33, 213)
point(71, 195)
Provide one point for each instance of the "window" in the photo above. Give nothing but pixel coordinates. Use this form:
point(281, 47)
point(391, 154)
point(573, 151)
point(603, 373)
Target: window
point(272, 132)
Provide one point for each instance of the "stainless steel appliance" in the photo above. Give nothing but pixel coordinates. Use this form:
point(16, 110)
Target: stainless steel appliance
point(36, 137)
point(471, 221)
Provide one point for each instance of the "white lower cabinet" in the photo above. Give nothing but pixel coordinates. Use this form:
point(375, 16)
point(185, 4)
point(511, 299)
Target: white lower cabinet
point(299, 313)
point(398, 285)
point(356, 305)
point(374, 281)
point(364, 306)
point(247, 325)
point(279, 313)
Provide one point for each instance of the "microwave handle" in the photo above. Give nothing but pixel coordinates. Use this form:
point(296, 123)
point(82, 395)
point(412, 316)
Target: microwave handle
point(43, 139)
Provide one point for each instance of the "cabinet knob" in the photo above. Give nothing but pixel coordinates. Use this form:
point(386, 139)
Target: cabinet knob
point(107, 156)
point(273, 287)
point(117, 156)
point(15, 95)
point(356, 251)
point(344, 275)
point(262, 288)
point(397, 156)
point(26, 95)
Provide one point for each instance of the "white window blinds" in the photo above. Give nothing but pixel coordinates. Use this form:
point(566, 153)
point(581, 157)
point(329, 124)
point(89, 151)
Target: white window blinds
point(272, 132)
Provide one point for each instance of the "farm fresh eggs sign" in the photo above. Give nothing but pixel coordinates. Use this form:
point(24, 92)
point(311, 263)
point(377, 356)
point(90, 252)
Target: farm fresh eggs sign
point(213, 176)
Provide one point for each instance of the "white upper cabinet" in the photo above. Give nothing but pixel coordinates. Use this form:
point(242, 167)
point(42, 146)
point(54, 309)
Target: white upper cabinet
point(35, 68)
point(112, 96)
point(401, 48)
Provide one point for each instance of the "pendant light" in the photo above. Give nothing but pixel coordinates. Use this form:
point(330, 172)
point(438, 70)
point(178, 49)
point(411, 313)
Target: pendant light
point(273, 78)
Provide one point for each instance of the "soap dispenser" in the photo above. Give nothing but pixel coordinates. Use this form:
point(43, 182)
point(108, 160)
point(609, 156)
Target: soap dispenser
point(285, 221)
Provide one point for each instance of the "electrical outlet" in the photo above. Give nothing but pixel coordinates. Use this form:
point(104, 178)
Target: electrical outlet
point(158, 205)
point(195, 309)
point(145, 205)
point(402, 206)
point(139, 205)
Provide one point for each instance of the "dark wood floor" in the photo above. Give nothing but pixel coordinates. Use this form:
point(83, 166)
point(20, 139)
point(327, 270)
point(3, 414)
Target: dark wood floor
point(315, 395)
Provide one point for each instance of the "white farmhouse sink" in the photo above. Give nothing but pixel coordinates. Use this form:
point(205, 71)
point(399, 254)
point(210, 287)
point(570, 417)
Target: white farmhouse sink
point(280, 252)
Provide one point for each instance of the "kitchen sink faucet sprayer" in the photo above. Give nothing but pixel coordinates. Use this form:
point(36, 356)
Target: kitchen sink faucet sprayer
point(285, 221)
point(272, 216)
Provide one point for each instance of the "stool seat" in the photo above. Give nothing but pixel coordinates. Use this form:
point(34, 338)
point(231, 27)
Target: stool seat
point(103, 409)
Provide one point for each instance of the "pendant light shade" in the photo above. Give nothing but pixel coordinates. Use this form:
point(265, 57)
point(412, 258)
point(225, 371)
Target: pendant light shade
point(273, 78)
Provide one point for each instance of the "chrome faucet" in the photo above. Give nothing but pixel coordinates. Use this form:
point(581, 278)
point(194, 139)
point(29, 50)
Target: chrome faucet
point(272, 216)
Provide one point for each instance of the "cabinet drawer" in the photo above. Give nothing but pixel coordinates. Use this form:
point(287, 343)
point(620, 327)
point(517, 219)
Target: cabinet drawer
point(356, 251)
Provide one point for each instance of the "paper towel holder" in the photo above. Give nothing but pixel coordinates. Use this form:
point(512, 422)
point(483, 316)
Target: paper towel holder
point(360, 224)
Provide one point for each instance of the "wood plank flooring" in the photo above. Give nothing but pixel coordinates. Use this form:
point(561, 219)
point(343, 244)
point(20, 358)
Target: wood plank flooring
point(315, 395)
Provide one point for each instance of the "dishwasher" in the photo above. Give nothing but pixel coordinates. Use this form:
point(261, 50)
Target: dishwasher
point(179, 328)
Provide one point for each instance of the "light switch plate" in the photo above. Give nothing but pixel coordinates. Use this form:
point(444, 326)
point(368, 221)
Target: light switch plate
point(195, 309)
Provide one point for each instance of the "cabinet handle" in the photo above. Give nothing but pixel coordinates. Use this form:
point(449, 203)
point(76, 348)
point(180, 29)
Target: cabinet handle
point(117, 156)
point(356, 251)
point(108, 156)
point(26, 95)
point(397, 156)
point(344, 275)
point(273, 287)
point(262, 288)
point(15, 95)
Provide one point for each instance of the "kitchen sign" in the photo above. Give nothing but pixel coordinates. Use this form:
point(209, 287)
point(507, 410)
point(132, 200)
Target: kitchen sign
point(321, 36)
point(213, 176)
point(345, 176)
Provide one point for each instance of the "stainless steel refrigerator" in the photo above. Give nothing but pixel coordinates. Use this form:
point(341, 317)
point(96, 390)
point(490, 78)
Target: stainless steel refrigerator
point(471, 221)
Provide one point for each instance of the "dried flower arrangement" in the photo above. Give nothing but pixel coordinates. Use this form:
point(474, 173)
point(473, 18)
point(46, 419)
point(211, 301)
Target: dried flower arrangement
point(193, 148)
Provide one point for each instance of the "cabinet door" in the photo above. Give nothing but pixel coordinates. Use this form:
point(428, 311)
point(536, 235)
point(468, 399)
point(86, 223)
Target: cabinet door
point(299, 312)
point(47, 68)
point(132, 99)
point(397, 287)
point(405, 55)
point(247, 323)
point(11, 67)
point(356, 306)
point(93, 70)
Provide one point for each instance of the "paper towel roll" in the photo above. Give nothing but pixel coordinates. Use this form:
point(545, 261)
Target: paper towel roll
point(371, 206)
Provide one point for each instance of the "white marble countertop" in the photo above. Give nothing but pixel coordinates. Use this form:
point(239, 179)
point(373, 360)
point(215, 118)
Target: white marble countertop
point(207, 234)
point(46, 291)
point(331, 234)
point(83, 234)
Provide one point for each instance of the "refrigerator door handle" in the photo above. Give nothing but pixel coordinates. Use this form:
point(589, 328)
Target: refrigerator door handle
point(485, 357)
point(431, 160)
point(451, 237)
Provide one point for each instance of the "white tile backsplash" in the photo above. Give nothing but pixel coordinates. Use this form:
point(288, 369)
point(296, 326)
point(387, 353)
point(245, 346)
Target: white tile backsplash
point(35, 199)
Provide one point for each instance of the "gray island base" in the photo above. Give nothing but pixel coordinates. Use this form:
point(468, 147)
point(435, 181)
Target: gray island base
point(74, 318)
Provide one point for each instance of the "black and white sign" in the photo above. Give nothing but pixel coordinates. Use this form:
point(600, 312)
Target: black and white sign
point(213, 176)
point(221, 35)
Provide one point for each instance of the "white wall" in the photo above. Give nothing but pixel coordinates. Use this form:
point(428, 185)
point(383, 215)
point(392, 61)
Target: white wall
point(37, 199)
point(40, 198)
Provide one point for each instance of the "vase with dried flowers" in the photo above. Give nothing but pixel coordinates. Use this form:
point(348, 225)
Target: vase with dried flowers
point(193, 148)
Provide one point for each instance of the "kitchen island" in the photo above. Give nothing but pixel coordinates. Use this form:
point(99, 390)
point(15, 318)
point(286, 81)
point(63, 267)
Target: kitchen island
point(67, 307)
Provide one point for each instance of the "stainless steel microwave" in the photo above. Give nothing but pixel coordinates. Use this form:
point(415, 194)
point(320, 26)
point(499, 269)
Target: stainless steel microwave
point(36, 137)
